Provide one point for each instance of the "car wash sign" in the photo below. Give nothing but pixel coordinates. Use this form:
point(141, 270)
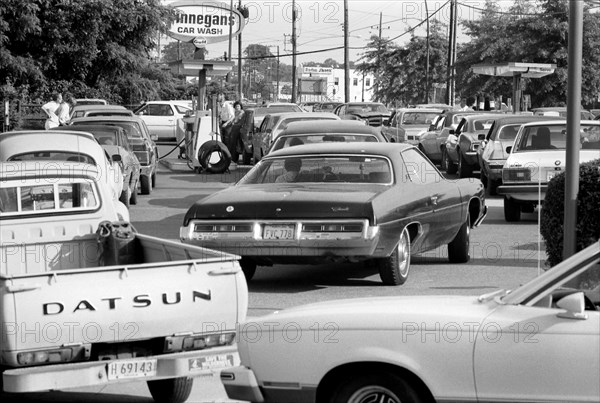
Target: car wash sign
point(204, 22)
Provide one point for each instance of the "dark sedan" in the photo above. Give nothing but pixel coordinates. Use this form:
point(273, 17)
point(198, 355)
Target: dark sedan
point(313, 132)
point(339, 202)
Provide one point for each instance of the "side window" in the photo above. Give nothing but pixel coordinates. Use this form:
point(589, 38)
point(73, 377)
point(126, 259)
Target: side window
point(418, 167)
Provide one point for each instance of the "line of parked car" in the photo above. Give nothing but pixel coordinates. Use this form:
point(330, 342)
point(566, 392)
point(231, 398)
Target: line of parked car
point(111, 137)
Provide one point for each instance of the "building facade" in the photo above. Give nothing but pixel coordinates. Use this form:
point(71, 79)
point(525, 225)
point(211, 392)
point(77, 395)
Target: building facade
point(317, 83)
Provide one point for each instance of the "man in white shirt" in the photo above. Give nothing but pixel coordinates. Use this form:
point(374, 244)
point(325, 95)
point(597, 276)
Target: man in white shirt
point(50, 109)
point(226, 115)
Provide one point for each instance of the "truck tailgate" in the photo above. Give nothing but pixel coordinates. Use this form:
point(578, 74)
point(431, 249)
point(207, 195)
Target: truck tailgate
point(122, 303)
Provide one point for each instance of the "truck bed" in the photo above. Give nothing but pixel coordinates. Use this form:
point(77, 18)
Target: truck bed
point(168, 289)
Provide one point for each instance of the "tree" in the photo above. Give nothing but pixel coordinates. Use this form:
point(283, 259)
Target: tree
point(534, 34)
point(400, 71)
point(177, 50)
point(100, 48)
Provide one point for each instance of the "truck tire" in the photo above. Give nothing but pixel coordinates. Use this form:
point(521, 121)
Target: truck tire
point(209, 151)
point(174, 390)
point(458, 249)
point(248, 267)
point(394, 269)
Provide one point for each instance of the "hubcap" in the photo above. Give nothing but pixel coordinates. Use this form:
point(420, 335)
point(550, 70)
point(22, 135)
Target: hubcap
point(374, 394)
point(403, 255)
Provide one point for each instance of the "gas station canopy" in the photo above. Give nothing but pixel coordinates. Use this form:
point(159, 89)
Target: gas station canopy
point(510, 69)
point(191, 67)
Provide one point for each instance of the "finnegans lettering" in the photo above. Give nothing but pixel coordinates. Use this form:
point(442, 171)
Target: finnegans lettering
point(113, 303)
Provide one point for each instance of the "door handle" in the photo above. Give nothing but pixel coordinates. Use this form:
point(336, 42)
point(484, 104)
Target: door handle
point(434, 200)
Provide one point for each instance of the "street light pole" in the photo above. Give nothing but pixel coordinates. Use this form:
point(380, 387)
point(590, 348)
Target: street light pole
point(293, 51)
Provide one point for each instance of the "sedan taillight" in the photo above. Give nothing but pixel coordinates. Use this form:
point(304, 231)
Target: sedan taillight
point(516, 175)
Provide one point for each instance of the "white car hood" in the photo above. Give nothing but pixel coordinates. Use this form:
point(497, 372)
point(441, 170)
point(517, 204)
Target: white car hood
point(387, 312)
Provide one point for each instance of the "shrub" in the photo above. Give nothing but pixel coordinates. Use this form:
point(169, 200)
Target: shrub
point(588, 211)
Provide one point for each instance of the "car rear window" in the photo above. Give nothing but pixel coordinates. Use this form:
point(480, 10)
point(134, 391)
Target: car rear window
point(343, 169)
point(53, 156)
point(62, 196)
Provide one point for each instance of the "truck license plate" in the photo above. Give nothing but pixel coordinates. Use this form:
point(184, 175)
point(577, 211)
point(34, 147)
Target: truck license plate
point(131, 369)
point(218, 361)
point(278, 232)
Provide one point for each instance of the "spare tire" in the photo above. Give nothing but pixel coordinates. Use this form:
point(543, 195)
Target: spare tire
point(214, 156)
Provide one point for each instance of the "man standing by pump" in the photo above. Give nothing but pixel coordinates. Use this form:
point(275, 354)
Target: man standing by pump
point(226, 115)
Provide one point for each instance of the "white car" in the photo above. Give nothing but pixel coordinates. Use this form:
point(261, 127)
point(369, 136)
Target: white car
point(47, 146)
point(537, 155)
point(162, 117)
point(537, 343)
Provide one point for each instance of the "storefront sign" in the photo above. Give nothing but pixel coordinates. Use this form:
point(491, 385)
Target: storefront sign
point(318, 70)
point(203, 22)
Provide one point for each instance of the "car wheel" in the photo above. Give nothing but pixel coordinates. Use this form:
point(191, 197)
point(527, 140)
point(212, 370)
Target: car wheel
point(145, 184)
point(376, 387)
point(248, 267)
point(451, 167)
point(484, 179)
point(444, 163)
point(464, 169)
point(493, 186)
point(174, 390)
point(246, 157)
point(458, 249)
point(125, 197)
point(133, 198)
point(394, 269)
point(512, 210)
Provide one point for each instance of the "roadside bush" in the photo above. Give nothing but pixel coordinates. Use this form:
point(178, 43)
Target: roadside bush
point(588, 211)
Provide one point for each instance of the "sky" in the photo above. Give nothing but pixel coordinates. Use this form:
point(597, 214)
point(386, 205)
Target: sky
point(320, 25)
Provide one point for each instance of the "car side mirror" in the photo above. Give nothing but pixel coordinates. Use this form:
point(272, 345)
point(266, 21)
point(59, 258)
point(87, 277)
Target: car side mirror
point(574, 305)
point(508, 149)
point(481, 137)
point(116, 158)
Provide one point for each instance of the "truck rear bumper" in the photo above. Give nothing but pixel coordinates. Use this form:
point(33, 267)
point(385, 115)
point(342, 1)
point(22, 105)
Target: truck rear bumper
point(71, 375)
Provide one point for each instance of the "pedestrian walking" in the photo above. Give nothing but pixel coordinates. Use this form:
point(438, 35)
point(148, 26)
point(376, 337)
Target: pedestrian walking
point(50, 109)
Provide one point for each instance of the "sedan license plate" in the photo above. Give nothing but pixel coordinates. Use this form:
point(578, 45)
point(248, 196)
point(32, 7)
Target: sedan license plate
point(278, 232)
point(131, 369)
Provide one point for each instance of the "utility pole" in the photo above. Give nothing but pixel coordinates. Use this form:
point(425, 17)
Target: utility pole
point(228, 78)
point(239, 56)
point(294, 51)
point(346, 58)
point(427, 58)
point(573, 127)
point(277, 97)
point(450, 72)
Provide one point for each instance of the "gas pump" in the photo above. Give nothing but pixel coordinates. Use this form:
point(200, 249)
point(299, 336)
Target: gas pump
point(204, 150)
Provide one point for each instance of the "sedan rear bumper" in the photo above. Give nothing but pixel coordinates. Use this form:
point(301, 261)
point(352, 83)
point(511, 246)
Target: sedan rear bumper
point(524, 192)
point(349, 239)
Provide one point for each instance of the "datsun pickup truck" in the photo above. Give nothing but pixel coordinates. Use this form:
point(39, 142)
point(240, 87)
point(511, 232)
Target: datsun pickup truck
point(86, 300)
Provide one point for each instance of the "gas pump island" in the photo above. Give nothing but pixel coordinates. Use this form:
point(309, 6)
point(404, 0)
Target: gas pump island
point(204, 23)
